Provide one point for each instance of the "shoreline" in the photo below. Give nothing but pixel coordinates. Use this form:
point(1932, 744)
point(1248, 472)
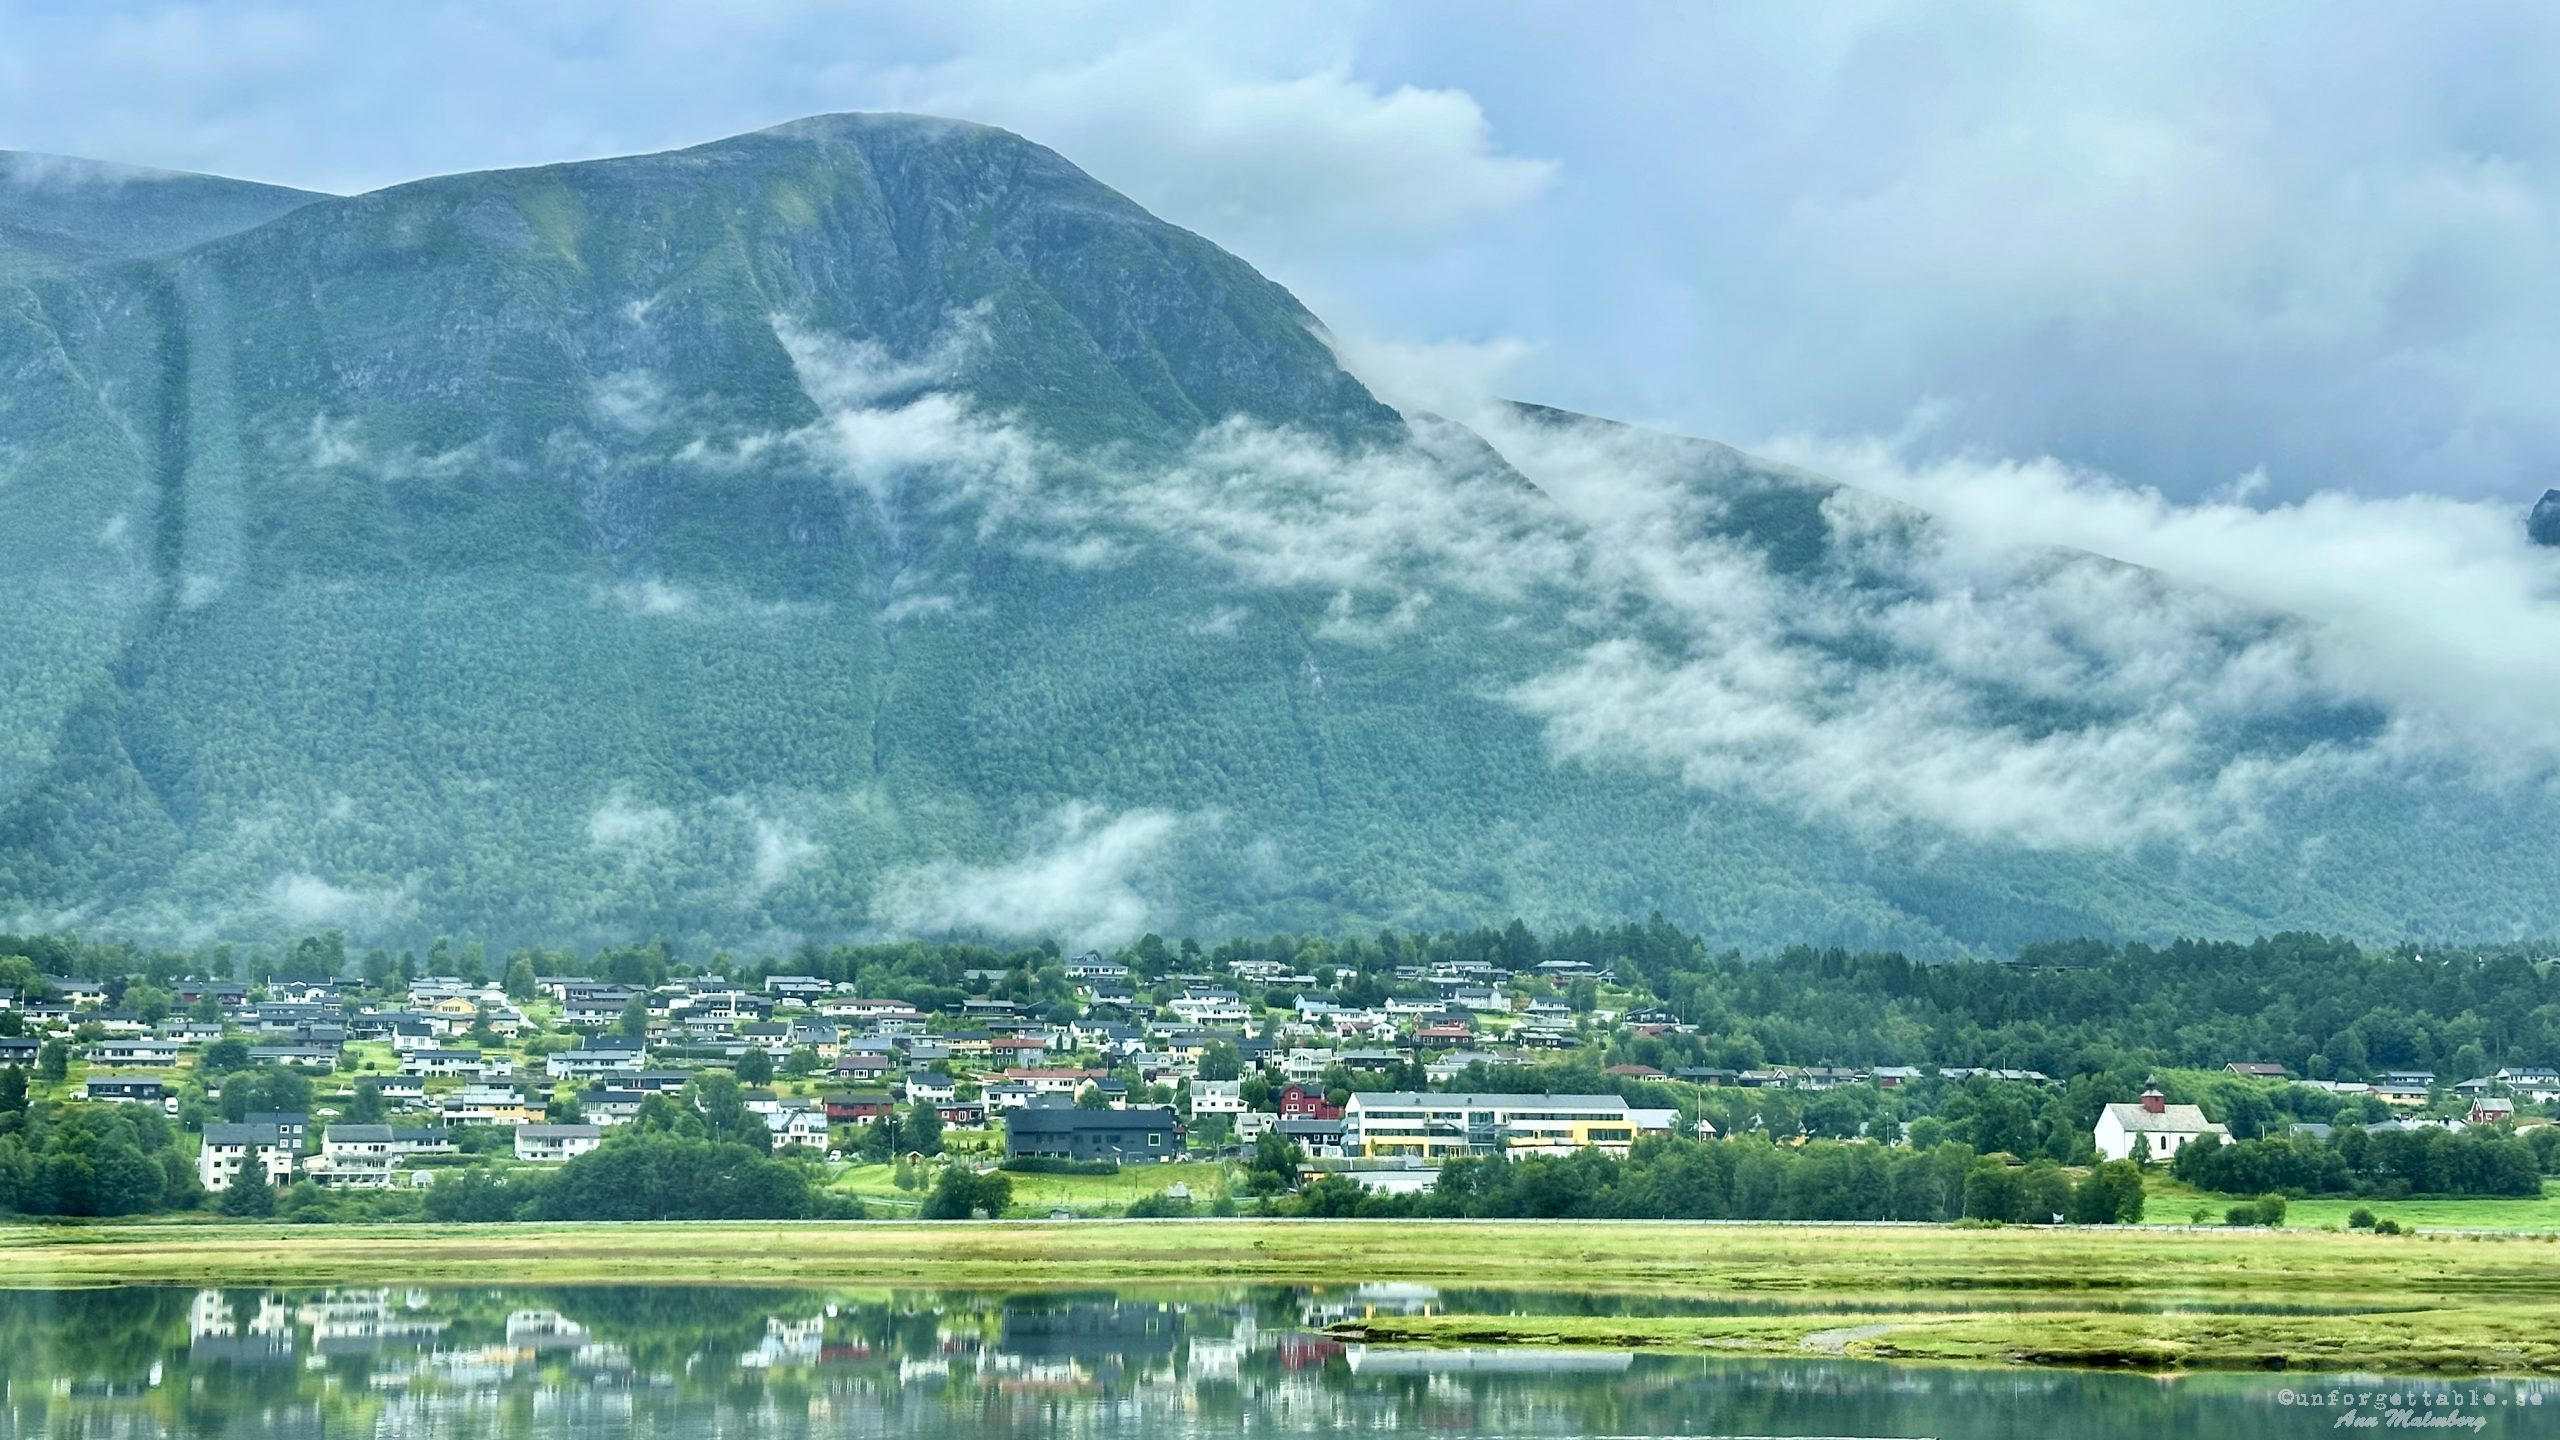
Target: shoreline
point(2158, 1299)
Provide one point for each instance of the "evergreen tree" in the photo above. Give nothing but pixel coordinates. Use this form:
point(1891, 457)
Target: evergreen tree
point(250, 1196)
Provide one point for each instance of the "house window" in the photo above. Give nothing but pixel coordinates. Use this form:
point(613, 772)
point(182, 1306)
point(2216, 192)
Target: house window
point(1154, 1141)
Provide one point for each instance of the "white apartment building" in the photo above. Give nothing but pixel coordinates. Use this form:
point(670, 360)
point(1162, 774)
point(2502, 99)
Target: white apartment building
point(1436, 1126)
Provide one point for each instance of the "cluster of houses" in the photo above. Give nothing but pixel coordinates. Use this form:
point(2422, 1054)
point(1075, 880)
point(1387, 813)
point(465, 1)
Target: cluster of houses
point(560, 1067)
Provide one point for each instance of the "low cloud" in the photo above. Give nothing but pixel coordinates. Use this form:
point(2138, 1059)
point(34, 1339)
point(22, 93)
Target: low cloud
point(654, 597)
point(2011, 654)
point(633, 402)
point(305, 901)
point(623, 825)
point(1085, 875)
point(2436, 608)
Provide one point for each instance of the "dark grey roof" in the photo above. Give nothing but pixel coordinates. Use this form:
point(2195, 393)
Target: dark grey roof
point(1064, 1120)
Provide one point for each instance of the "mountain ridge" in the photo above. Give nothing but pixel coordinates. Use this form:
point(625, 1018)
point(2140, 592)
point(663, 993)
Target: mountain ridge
point(878, 525)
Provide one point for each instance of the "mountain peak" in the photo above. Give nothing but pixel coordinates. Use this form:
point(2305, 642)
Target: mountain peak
point(58, 211)
point(2543, 525)
point(840, 125)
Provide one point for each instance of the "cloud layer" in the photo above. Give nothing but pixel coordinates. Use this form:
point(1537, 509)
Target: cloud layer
point(2016, 654)
point(1085, 875)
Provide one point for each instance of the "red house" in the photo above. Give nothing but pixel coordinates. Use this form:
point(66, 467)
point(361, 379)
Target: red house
point(849, 1109)
point(1298, 1102)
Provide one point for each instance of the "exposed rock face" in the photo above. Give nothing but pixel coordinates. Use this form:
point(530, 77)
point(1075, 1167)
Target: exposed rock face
point(2543, 526)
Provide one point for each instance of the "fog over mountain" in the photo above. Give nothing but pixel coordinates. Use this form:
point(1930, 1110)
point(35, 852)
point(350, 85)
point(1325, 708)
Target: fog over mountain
point(875, 525)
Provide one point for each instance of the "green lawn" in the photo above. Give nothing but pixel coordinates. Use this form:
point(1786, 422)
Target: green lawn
point(2168, 1202)
point(1034, 1196)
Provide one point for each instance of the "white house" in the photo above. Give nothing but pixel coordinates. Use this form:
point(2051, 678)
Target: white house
point(2163, 1128)
point(229, 1148)
point(1217, 1097)
point(556, 1142)
point(797, 1127)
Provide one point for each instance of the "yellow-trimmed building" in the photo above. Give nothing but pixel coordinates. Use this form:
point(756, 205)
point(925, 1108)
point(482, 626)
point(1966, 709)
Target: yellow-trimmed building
point(1385, 1124)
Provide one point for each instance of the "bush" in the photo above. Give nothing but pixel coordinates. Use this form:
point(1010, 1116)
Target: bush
point(2359, 1219)
point(961, 1194)
point(2386, 1227)
point(1047, 1165)
point(2266, 1210)
point(671, 1177)
point(1159, 1206)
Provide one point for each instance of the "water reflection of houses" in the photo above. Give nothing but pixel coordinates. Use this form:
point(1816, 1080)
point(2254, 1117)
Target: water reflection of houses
point(1368, 1302)
point(540, 1330)
point(364, 1322)
point(787, 1342)
point(1121, 1330)
point(1221, 1357)
point(257, 1332)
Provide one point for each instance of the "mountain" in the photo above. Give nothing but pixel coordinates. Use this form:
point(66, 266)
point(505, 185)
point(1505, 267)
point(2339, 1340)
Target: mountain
point(56, 211)
point(876, 525)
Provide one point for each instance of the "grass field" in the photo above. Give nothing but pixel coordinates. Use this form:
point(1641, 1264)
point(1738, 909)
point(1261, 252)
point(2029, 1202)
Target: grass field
point(2169, 1203)
point(1035, 1196)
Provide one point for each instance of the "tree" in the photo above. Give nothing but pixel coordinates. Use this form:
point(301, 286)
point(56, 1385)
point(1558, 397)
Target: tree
point(803, 1062)
point(755, 1067)
point(635, 1018)
point(922, 1131)
point(520, 980)
point(149, 1002)
point(250, 1196)
point(961, 1194)
point(477, 1196)
point(224, 1056)
point(723, 1107)
point(364, 1106)
point(1275, 1162)
point(53, 1062)
point(13, 1090)
point(1221, 1061)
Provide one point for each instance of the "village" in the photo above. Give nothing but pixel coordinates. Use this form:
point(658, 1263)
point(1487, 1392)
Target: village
point(415, 1080)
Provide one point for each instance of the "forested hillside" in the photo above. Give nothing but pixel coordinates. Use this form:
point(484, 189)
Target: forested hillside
point(875, 525)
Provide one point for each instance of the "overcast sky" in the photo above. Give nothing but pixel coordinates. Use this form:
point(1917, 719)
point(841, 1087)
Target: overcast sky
point(2239, 253)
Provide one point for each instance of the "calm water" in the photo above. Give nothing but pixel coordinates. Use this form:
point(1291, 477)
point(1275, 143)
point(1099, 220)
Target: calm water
point(578, 1362)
